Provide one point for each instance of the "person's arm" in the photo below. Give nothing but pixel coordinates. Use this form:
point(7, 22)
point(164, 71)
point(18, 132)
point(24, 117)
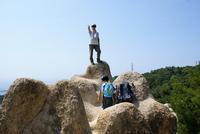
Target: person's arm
point(100, 92)
point(99, 97)
point(98, 38)
point(98, 41)
point(89, 30)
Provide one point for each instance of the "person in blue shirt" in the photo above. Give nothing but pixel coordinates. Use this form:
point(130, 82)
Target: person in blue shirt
point(106, 90)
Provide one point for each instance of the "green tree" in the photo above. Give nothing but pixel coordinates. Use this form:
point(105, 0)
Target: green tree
point(179, 86)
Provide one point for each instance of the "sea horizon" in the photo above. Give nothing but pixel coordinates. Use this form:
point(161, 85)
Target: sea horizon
point(3, 92)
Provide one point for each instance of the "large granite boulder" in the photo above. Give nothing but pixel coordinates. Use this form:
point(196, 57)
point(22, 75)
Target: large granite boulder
point(141, 85)
point(23, 101)
point(88, 84)
point(30, 107)
point(92, 114)
point(64, 113)
point(97, 71)
point(160, 118)
point(122, 118)
point(87, 88)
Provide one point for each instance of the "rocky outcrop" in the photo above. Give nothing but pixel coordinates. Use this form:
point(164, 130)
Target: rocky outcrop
point(141, 85)
point(88, 84)
point(87, 88)
point(21, 105)
point(92, 114)
point(59, 112)
point(63, 113)
point(159, 117)
point(70, 107)
point(122, 118)
point(97, 71)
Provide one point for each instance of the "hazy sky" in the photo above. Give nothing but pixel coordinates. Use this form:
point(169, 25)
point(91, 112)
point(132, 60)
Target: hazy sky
point(48, 39)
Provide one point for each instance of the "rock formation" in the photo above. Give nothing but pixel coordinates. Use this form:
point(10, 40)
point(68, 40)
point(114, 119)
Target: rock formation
point(159, 116)
point(70, 107)
point(122, 118)
point(28, 108)
point(97, 71)
point(87, 88)
point(103, 121)
point(88, 84)
point(21, 104)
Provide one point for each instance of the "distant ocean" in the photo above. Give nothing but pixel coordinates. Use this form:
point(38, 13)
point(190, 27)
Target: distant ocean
point(4, 85)
point(3, 92)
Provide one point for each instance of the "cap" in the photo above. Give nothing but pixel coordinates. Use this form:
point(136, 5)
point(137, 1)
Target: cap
point(94, 25)
point(105, 78)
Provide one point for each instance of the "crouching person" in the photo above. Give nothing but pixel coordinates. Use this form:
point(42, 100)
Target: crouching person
point(126, 93)
point(106, 90)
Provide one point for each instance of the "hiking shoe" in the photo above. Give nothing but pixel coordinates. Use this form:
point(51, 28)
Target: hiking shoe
point(92, 63)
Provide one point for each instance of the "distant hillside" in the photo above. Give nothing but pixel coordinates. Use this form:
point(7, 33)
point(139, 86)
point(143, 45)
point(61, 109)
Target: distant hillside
point(1, 98)
point(2, 93)
point(179, 86)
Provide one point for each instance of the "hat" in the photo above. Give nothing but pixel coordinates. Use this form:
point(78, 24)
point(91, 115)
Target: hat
point(94, 25)
point(105, 78)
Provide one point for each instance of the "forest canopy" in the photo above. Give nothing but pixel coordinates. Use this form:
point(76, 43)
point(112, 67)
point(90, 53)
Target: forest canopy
point(180, 87)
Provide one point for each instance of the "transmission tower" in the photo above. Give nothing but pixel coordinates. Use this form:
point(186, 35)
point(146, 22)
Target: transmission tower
point(132, 67)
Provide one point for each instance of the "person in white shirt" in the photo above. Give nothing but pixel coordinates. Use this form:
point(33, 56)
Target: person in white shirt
point(94, 43)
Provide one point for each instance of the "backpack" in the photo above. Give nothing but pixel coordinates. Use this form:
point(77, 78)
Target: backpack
point(125, 93)
point(108, 90)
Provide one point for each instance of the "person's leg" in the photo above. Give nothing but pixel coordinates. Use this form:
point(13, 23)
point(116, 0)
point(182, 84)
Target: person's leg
point(91, 47)
point(104, 103)
point(98, 50)
point(110, 102)
point(107, 102)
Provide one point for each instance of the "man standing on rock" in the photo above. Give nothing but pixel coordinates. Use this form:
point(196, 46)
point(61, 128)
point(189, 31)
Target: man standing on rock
point(94, 43)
